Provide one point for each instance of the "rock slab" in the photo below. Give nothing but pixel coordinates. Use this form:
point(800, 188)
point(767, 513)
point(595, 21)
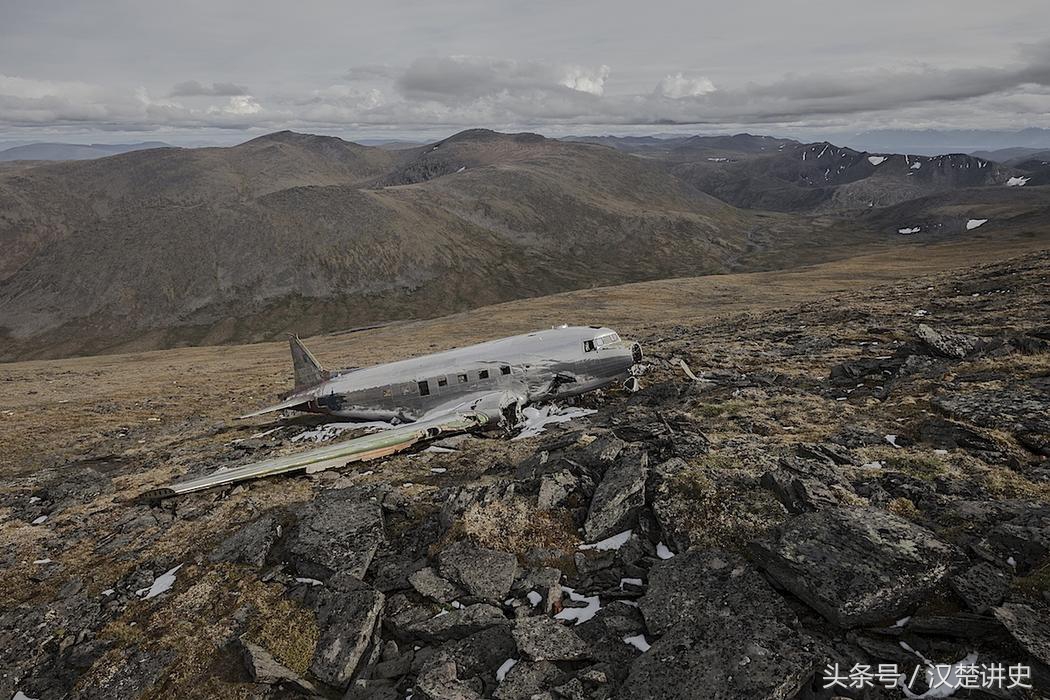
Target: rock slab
point(856, 566)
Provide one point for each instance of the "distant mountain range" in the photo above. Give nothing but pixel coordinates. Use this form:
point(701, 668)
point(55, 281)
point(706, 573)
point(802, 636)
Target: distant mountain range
point(942, 141)
point(294, 232)
point(74, 151)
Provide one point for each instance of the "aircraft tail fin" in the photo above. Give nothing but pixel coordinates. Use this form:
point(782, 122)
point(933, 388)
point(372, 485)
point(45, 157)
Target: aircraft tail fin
point(308, 371)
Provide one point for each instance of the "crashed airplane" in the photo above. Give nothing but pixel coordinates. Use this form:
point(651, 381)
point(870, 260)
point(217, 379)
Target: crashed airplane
point(473, 388)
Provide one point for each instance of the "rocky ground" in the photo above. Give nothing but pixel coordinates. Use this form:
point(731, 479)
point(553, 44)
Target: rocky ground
point(861, 479)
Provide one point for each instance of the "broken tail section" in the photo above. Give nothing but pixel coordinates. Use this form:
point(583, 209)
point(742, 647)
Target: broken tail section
point(308, 371)
point(308, 374)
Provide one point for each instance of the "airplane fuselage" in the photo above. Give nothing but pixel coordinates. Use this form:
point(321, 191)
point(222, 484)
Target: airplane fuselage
point(541, 365)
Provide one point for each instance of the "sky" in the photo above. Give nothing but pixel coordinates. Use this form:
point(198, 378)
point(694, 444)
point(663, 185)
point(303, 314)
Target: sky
point(199, 72)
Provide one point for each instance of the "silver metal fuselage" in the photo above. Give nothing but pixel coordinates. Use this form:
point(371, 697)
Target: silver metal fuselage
point(541, 365)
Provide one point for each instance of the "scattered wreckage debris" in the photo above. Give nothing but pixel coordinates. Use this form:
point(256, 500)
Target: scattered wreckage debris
point(477, 387)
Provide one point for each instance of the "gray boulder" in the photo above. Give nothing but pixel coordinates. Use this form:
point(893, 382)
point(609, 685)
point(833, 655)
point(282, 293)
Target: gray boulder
point(856, 566)
point(457, 623)
point(438, 680)
point(336, 532)
point(542, 638)
point(348, 621)
point(484, 573)
point(723, 657)
point(263, 668)
point(1029, 627)
point(427, 583)
point(544, 582)
point(555, 489)
point(251, 544)
point(526, 679)
point(950, 343)
point(725, 633)
point(981, 587)
point(466, 668)
point(618, 497)
point(704, 584)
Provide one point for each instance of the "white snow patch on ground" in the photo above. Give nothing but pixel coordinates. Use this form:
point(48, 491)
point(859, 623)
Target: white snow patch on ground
point(108, 591)
point(537, 418)
point(903, 621)
point(1017, 182)
point(438, 470)
point(21, 696)
point(614, 542)
point(916, 165)
point(41, 520)
point(892, 439)
point(876, 160)
point(630, 582)
point(579, 614)
point(662, 551)
point(638, 642)
point(940, 452)
point(331, 430)
point(909, 230)
point(163, 583)
point(435, 448)
point(534, 598)
point(504, 669)
point(311, 581)
point(461, 168)
point(34, 499)
point(975, 223)
point(42, 561)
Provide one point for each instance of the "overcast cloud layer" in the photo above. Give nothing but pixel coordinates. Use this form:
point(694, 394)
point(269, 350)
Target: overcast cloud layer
point(196, 71)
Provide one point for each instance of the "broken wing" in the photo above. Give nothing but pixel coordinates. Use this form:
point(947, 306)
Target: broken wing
point(480, 411)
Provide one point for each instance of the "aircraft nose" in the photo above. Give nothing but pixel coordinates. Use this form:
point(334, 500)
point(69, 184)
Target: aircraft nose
point(636, 353)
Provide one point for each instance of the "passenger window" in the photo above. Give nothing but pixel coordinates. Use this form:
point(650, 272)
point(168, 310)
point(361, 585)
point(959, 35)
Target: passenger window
point(504, 370)
point(483, 374)
point(588, 346)
point(462, 378)
point(424, 388)
point(443, 381)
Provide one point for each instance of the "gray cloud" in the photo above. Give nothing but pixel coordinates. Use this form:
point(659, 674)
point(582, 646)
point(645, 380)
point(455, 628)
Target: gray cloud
point(374, 71)
point(191, 88)
point(594, 65)
point(452, 79)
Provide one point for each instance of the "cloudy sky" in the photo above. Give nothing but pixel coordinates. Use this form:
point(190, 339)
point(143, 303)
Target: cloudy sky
point(219, 71)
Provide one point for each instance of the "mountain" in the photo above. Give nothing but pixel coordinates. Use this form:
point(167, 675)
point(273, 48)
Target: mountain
point(299, 233)
point(74, 151)
point(760, 172)
point(292, 232)
point(940, 141)
point(1013, 155)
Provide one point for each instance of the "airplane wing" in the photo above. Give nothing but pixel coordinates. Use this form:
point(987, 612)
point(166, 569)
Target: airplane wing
point(480, 411)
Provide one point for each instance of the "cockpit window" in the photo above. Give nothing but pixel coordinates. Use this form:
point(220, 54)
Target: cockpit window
point(606, 339)
point(588, 346)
